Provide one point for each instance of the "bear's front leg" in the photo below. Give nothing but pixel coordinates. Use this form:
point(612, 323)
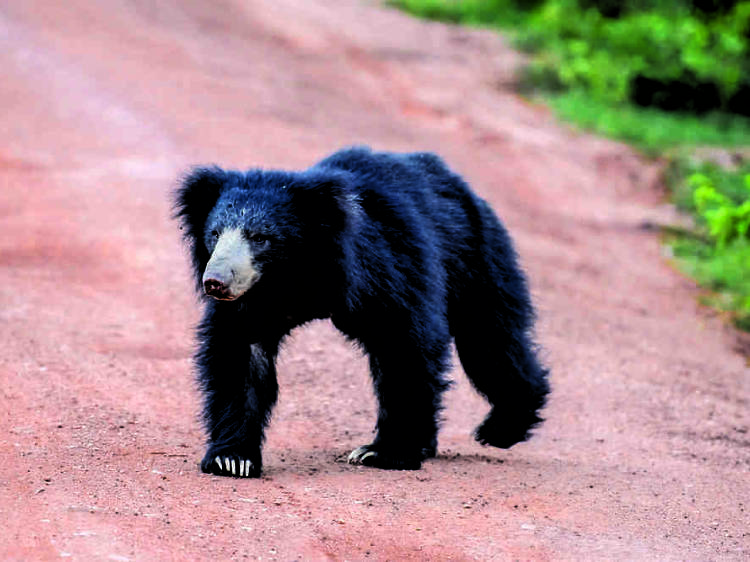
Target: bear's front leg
point(240, 389)
point(409, 383)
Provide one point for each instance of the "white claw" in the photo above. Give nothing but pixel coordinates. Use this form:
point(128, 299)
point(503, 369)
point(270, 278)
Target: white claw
point(354, 456)
point(226, 464)
point(367, 454)
point(218, 461)
point(234, 472)
point(242, 468)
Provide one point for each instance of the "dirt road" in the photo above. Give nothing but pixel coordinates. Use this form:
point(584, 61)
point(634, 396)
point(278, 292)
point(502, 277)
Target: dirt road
point(646, 451)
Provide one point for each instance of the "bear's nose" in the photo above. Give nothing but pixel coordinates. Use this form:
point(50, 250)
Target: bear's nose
point(215, 288)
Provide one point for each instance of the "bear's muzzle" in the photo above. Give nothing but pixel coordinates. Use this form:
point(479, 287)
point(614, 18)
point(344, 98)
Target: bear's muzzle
point(230, 271)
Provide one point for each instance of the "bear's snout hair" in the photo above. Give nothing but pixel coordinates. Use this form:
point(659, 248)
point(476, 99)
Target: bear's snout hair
point(230, 271)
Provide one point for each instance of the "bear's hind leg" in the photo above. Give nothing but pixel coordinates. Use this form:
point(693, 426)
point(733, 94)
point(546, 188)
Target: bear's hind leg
point(409, 384)
point(512, 381)
point(491, 320)
point(500, 359)
point(240, 389)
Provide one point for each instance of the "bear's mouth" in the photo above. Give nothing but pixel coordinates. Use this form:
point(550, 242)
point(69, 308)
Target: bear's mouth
point(217, 289)
point(222, 297)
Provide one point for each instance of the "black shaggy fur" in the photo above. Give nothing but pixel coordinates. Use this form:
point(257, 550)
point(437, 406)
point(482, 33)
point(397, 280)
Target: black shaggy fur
point(403, 257)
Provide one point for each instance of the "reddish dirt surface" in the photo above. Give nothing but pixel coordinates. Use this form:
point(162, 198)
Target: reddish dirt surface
point(646, 451)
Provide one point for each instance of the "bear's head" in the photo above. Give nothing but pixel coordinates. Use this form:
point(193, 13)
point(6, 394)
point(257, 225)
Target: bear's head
point(247, 228)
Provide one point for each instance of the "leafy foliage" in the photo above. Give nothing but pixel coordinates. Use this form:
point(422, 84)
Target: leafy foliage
point(649, 129)
point(606, 56)
point(674, 54)
point(720, 260)
point(727, 221)
point(722, 271)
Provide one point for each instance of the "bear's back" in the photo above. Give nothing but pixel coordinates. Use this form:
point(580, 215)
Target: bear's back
point(418, 182)
point(389, 170)
point(413, 200)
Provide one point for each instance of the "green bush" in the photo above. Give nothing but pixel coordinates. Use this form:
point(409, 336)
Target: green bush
point(604, 56)
point(720, 258)
point(727, 220)
point(577, 47)
point(723, 271)
point(650, 130)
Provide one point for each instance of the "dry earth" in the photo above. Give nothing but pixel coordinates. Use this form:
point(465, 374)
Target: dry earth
point(646, 451)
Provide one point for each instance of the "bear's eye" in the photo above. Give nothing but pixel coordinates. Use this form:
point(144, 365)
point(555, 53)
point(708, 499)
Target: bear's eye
point(215, 234)
point(257, 238)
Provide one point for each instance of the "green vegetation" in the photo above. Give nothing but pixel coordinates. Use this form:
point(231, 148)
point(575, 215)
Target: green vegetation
point(651, 130)
point(607, 57)
point(662, 75)
point(502, 14)
point(717, 255)
point(689, 55)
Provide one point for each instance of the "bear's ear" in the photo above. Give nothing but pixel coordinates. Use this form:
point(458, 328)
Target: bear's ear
point(193, 201)
point(196, 196)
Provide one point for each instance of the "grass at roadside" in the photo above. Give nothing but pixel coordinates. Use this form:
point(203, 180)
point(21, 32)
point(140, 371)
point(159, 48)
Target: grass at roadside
point(567, 59)
point(488, 13)
point(719, 256)
point(650, 130)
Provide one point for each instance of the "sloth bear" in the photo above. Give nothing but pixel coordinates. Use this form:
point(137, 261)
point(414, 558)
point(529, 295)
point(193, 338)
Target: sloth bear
point(400, 254)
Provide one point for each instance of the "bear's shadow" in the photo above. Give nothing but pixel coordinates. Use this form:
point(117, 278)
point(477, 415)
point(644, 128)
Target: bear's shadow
point(317, 462)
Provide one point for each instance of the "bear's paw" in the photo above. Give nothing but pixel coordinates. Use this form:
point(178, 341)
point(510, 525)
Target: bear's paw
point(503, 430)
point(377, 456)
point(230, 465)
